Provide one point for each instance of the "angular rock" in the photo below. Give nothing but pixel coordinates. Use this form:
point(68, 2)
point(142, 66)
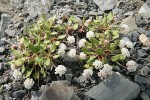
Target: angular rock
point(145, 10)
point(16, 2)
point(140, 79)
point(38, 7)
point(129, 24)
point(5, 19)
point(19, 94)
point(59, 90)
point(144, 71)
point(144, 39)
point(115, 87)
point(105, 4)
point(144, 96)
point(36, 95)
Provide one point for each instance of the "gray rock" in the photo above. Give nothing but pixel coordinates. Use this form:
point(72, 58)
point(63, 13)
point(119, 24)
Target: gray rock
point(144, 10)
point(37, 7)
point(10, 32)
point(59, 90)
point(81, 5)
point(142, 53)
point(17, 86)
point(144, 96)
point(130, 13)
point(115, 87)
point(140, 79)
point(19, 94)
point(16, 2)
point(36, 95)
point(144, 71)
point(93, 13)
point(3, 79)
point(105, 4)
point(129, 24)
point(5, 19)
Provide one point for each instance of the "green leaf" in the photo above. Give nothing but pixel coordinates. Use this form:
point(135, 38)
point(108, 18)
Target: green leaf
point(91, 59)
point(104, 60)
point(62, 36)
point(87, 66)
point(36, 75)
point(114, 45)
point(115, 34)
point(47, 61)
point(18, 62)
point(75, 26)
point(54, 33)
point(99, 51)
point(57, 43)
point(104, 21)
point(23, 69)
point(118, 57)
point(88, 45)
point(94, 41)
point(110, 16)
point(53, 47)
point(38, 59)
point(115, 58)
point(56, 56)
point(37, 48)
point(29, 72)
point(16, 53)
point(43, 72)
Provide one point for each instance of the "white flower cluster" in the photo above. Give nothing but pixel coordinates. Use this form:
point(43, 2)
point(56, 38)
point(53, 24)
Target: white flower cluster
point(125, 52)
point(105, 72)
point(17, 74)
point(87, 73)
point(60, 70)
point(2, 49)
point(72, 53)
point(7, 86)
point(82, 55)
point(62, 48)
point(97, 64)
point(28, 83)
point(81, 43)
point(90, 34)
point(125, 42)
point(71, 39)
point(131, 66)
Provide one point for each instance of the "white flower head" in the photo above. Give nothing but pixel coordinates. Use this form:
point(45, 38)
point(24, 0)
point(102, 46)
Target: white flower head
point(61, 52)
point(81, 43)
point(17, 74)
point(97, 64)
point(13, 67)
point(62, 46)
point(87, 73)
point(90, 34)
point(125, 52)
point(71, 39)
point(131, 66)
point(122, 44)
point(2, 49)
point(125, 42)
point(72, 53)
point(82, 55)
point(7, 86)
point(129, 44)
point(61, 70)
point(105, 72)
point(102, 74)
point(28, 83)
point(108, 68)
